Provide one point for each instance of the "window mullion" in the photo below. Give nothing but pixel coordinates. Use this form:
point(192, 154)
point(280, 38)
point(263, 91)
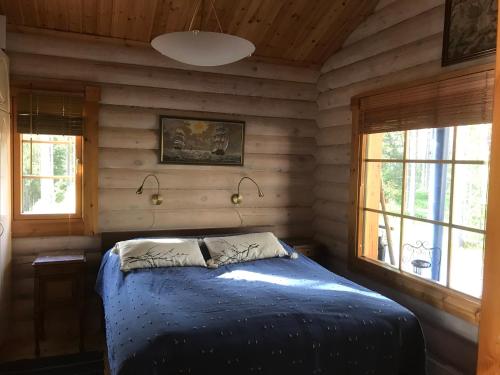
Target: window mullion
point(403, 197)
point(450, 218)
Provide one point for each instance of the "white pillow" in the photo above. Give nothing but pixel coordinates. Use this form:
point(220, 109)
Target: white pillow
point(159, 252)
point(243, 248)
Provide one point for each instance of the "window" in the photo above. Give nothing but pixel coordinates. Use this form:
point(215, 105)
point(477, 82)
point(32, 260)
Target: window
point(51, 164)
point(421, 176)
point(429, 206)
point(51, 183)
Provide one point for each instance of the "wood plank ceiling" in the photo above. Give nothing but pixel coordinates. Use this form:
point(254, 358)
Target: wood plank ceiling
point(299, 32)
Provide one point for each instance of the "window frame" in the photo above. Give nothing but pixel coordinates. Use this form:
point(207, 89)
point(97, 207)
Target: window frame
point(442, 297)
point(84, 221)
point(18, 185)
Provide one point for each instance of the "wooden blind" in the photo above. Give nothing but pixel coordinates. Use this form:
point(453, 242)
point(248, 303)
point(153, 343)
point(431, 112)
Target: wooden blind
point(464, 100)
point(49, 113)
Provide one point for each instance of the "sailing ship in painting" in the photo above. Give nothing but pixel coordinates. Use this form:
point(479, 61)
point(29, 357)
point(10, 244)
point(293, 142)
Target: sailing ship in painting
point(196, 141)
point(220, 140)
point(179, 139)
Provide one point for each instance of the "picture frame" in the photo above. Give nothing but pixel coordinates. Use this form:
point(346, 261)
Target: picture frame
point(199, 141)
point(469, 30)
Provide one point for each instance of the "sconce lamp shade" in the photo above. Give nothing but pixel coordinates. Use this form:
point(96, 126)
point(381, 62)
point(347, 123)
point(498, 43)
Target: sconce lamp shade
point(203, 48)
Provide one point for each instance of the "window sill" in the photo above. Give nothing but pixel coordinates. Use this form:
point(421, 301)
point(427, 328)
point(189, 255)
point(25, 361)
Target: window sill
point(458, 304)
point(47, 227)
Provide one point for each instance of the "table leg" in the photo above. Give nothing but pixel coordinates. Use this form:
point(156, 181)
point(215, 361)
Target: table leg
point(81, 311)
point(36, 313)
point(41, 307)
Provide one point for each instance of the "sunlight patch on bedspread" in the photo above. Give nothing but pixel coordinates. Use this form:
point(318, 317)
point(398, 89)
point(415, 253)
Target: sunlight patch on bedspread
point(286, 281)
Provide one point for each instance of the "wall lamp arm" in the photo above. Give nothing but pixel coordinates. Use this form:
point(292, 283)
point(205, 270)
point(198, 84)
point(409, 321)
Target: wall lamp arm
point(237, 198)
point(156, 199)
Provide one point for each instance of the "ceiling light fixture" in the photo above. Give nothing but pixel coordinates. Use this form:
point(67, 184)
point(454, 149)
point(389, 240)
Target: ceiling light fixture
point(203, 48)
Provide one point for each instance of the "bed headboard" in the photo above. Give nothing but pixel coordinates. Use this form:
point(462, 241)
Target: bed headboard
point(108, 239)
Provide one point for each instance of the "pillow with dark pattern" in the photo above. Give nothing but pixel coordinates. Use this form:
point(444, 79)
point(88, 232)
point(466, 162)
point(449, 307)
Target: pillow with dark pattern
point(159, 252)
point(243, 248)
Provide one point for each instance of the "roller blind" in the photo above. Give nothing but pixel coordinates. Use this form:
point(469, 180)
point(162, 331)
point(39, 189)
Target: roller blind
point(464, 100)
point(49, 113)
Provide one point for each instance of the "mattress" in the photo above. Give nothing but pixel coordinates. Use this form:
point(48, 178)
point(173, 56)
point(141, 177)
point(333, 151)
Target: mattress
point(272, 316)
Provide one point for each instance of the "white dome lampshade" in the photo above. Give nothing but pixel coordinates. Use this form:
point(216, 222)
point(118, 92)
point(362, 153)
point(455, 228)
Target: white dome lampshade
point(203, 48)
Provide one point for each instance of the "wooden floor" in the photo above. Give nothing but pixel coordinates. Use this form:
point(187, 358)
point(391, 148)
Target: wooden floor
point(61, 336)
point(13, 350)
point(85, 363)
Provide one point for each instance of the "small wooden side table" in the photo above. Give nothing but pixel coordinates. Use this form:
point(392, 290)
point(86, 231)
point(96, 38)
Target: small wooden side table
point(308, 247)
point(59, 268)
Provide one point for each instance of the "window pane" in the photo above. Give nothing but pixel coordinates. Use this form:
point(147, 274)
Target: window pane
point(31, 159)
point(470, 195)
point(48, 196)
point(64, 159)
point(389, 177)
point(473, 142)
point(430, 144)
point(49, 159)
point(438, 164)
point(385, 145)
point(425, 250)
point(381, 238)
point(428, 191)
point(466, 273)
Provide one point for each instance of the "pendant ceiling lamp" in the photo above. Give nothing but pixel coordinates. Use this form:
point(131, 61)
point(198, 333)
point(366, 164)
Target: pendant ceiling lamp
point(203, 48)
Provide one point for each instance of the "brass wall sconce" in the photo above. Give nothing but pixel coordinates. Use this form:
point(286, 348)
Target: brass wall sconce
point(237, 198)
point(156, 199)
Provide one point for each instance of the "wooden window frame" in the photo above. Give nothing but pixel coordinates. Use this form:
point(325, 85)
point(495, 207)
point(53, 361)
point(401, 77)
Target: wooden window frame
point(84, 221)
point(488, 361)
point(451, 301)
point(17, 184)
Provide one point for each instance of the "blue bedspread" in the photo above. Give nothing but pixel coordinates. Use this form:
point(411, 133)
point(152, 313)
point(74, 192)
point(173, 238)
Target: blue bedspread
point(274, 316)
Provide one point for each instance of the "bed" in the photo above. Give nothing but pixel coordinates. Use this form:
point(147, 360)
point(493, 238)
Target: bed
point(272, 316)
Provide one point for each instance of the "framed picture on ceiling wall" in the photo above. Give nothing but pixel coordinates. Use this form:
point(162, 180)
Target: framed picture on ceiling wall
point(469, 30)
point(201, 141)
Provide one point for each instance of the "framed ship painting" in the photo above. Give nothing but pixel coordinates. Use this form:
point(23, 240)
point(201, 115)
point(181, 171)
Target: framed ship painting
point(469, 30)
point(201, 141)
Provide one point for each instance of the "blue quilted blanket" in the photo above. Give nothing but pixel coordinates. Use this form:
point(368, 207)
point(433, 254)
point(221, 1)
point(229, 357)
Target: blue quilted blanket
point(274, 316)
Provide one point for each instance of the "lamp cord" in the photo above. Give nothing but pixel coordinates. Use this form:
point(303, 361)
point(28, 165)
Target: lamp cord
point(194, 15)
point(153, 212)
point(216, 16)
point(240, 217)
point(197, 8)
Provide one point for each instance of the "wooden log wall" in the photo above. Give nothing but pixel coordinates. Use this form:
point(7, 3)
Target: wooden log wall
point(61, 325)
point(5, 221)
point(400, 42)
point(278, 104)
